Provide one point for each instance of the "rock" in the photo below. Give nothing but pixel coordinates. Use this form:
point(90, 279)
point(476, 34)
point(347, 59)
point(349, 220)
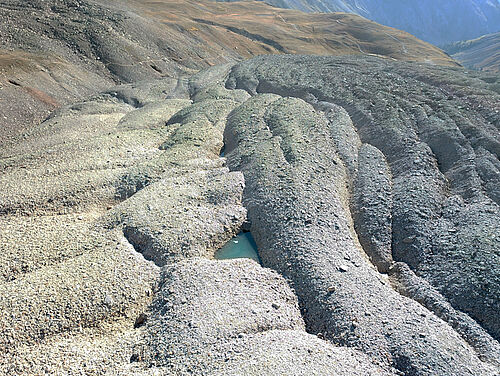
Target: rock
point(232, 330)
point(108, 300)
point(343, 268)
point(141, 320)
point(409, 239)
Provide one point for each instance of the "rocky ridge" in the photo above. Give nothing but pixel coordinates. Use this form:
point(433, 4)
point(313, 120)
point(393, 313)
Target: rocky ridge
point(127, 176)
point(416, 170)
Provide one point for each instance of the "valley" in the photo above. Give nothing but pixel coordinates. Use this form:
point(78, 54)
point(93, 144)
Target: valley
point(437, 22)
point(482, 53)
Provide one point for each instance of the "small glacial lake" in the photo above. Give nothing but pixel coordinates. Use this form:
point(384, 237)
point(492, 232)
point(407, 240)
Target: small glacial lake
point(241, 246)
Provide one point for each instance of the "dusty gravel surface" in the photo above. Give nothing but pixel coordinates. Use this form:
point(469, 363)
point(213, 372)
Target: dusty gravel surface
point(370, 187)
point(411, 174)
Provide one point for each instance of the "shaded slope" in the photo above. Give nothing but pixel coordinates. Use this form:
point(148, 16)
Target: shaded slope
point(421, 146)
point(441, 152)
point(34, 84)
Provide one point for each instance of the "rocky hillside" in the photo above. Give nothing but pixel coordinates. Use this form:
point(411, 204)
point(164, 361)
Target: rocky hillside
point(136, 140)
point(370, 186)
point(482, 53)
point(53, 53)
point(437, 22)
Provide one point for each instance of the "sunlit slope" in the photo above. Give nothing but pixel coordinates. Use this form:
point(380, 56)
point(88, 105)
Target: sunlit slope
point(252, 28)
point(438, 22)
point(481, 53)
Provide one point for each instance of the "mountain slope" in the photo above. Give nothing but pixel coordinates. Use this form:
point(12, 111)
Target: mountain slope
point(482, 53)
point(371, 187)
point(438, 22)
point(130, 40)
point(53, 53)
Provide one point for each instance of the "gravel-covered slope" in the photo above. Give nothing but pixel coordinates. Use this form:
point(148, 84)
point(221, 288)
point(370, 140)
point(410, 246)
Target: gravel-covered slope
point(235, 317)
point(95, 201)
point(57, 52)
point(403, 156)
point(371, 188)
point(73, 284)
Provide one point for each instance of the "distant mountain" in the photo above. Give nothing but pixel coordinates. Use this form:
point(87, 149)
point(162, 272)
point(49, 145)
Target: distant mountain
point(438, 22)
point(482, 53)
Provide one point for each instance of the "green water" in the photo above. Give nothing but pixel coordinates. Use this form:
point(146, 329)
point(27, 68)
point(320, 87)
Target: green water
point(241, 246)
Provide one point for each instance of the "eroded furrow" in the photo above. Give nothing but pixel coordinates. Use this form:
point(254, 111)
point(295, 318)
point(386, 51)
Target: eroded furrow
point(113, 210)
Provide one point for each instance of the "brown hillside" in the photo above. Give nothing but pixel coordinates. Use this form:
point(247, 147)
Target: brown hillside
point(53, 53)
point(254, 28)
point(481, 53)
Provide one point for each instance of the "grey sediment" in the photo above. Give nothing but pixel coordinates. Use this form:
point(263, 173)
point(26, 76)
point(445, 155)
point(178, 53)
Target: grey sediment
point(113, 209)
point(284, 146)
